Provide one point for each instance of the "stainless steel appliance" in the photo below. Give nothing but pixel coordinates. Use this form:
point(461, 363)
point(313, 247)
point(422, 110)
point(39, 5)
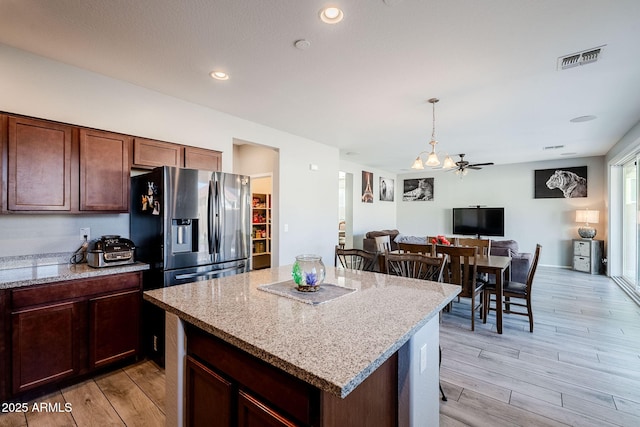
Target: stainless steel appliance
point(110, 250)
point(189, 225)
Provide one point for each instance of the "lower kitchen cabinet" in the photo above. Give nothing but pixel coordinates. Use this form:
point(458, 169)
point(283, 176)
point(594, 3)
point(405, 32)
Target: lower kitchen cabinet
point(209, 396)
point(115, 328)
point(65, 329)
point(227, 386)
point(44, 344)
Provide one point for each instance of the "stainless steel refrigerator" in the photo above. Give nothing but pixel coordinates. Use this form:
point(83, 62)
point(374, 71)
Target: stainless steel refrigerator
point(189, 225)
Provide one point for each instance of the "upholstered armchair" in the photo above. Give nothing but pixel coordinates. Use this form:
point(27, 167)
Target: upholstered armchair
point(520, 261)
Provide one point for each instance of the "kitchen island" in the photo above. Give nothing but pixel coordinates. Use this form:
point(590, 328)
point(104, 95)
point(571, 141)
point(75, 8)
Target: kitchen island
point(369, 357)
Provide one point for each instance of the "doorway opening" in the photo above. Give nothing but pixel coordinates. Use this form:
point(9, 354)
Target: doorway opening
point(345, 210)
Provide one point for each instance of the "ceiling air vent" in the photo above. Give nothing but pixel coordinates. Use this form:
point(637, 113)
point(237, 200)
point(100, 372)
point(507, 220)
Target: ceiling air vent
point(579, 58)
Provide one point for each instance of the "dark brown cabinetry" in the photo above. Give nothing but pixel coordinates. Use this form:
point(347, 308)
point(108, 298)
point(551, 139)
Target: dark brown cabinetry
point(39, 165)
point(54, 167)
point(149, 154)
point(225, 383)
point(200, 158)
point(105, 165)
point(69, 328)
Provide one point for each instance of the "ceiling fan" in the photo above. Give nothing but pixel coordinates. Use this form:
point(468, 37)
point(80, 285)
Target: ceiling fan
point(462, 165)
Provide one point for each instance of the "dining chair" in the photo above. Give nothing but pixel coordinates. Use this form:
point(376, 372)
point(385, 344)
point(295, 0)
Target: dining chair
point(415, 265)
point(461, 270)
point(383, 243)
point(516, 290)
point(483, 245)
point(355, 259)
point(416, 248)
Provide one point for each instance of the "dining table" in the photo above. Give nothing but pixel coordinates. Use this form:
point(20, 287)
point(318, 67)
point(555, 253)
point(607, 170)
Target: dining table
point(498, 266)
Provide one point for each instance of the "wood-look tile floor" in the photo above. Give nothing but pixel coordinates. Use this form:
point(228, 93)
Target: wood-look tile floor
point(580, 367)
point(132, 396)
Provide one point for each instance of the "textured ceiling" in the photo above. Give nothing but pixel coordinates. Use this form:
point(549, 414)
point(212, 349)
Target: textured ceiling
point(363, 84)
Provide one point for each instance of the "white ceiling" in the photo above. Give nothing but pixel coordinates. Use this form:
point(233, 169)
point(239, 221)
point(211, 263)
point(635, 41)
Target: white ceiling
point(363, 84)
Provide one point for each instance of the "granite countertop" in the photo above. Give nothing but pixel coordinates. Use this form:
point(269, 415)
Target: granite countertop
point(31, 270)
point(334, 345)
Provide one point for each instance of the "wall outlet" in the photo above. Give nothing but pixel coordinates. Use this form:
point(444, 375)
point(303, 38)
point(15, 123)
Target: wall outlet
point(85, 232)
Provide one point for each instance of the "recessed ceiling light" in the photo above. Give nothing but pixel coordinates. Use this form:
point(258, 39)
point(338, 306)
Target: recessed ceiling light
point(582, 119)
point(219, 75)
point(331, 15)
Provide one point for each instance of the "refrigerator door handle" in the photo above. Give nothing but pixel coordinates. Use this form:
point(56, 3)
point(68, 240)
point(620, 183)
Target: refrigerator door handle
point(210, 210)
point(218, 218)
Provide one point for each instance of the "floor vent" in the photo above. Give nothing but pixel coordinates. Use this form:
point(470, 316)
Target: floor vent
point(579, 58)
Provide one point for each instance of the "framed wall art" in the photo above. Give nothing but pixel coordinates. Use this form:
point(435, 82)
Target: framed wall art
point(367, 187)
point(560, 183)
point(387, 189)
point(420, 189)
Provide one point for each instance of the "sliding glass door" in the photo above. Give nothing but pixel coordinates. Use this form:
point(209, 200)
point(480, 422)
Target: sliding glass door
point(630, 229)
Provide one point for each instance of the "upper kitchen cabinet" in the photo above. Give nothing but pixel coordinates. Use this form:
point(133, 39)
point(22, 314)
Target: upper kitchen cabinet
point(105, 165)
point(200, 158)
point(149, 154)
point(39, 165)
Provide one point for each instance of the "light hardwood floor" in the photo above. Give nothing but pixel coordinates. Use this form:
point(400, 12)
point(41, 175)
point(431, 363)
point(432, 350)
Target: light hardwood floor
point(580, 367)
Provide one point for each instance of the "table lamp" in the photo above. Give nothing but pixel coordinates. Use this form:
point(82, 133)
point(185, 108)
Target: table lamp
point(587, 217)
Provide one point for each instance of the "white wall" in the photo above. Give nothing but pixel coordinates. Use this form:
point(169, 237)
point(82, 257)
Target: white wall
point(38, 87)
point(549, 222)
point(369, 216)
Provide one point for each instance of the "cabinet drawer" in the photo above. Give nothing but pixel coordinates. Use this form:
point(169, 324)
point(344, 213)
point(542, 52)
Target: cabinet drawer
point(581, 248)
point(72, 289)
point(581, 264)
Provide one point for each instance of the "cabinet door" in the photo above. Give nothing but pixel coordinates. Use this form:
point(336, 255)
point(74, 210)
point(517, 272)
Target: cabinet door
point(253, 413)
point(148, 154)
point(105, 165)
point(114, 332)
point(45, 344)
point(39, 165)
point(209, 397)
point(199, 158)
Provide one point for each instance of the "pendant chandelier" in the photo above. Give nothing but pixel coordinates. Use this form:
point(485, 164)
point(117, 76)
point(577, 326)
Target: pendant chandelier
point(432, 159)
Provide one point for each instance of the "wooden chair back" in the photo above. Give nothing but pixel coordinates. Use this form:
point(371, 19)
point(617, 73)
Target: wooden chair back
point(383, 243)
point(483, 245)
point(461, 267)
point(355, 259)
point(532, 269)
point(416, 248)
point(415, 265)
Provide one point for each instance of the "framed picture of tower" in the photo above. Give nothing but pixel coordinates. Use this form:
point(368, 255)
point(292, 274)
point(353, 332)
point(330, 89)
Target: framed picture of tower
point(367, 187)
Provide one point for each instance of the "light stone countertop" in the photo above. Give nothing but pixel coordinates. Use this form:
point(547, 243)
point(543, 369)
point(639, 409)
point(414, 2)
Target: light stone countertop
point(32, 270)
point(334, 345)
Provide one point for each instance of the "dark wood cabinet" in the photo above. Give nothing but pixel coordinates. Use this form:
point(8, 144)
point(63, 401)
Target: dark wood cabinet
point(5, 345)
point(45, 341)
point(114, 332)
point(210, 397)
point(65, 329)
point(39, 166)
point(263, 395)
point(149, 154)
point(254, 413)
point(105, 165)
point(200, 158)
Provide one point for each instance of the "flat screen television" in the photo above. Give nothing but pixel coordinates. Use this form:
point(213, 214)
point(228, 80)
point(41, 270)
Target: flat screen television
point(478, 221)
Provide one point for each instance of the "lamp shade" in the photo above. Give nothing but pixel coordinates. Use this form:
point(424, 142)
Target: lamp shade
point(587, 216)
